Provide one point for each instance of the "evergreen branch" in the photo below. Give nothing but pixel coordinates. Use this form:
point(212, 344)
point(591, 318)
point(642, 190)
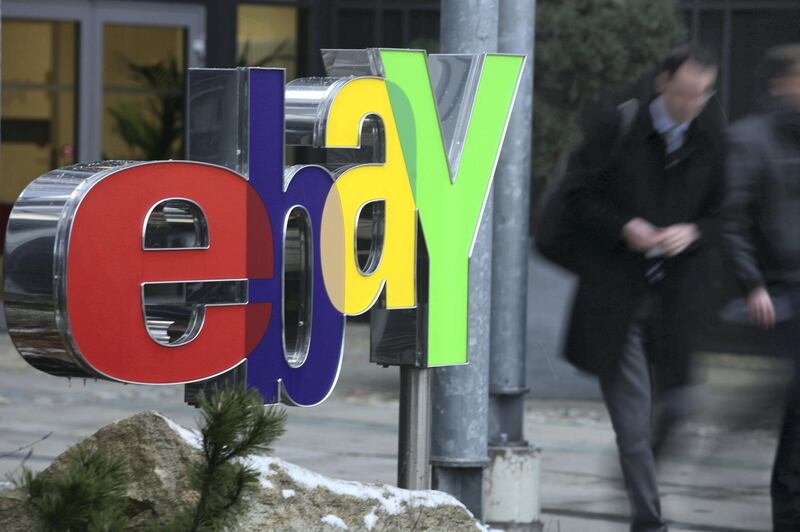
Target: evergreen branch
point(234, 425)
point(18, 449)
point(86, 493)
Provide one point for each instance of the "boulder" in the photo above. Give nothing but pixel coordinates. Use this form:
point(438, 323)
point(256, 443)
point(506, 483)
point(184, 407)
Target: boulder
point(157, 453)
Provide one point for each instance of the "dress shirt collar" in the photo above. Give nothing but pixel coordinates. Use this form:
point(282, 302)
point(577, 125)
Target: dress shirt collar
point(665, 125)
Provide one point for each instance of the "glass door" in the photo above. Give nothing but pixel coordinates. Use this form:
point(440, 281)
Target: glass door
point(145, 50)
point(39, 103)
point(143, 81)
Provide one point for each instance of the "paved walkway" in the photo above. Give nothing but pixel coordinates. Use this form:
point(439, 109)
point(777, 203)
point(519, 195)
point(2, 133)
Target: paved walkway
point(716, 481)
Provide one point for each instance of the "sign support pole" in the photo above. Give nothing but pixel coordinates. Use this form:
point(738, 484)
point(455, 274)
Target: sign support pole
point(414, 449)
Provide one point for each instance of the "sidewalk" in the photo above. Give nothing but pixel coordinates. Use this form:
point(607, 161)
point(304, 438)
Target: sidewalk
point(717, 480)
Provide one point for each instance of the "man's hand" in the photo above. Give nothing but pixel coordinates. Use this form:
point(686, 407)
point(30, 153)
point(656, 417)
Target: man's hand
point(674, 240)
point(759, 304)
point(640, 235)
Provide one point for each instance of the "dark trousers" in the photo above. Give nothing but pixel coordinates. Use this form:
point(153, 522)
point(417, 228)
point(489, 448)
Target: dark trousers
point(785, 485)
point(628, 395)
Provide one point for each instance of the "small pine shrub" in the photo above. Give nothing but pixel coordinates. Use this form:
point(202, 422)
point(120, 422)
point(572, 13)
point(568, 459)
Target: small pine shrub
point(86, 494)
point(234, 424)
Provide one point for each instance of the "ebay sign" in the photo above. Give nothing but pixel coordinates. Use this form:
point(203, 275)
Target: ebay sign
point(177, 271)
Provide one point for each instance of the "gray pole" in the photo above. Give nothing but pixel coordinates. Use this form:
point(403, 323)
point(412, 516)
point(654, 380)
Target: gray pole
point(459, 416)
point(468, 26)
point(515, 465)
point(413, 450)
point(512, 187)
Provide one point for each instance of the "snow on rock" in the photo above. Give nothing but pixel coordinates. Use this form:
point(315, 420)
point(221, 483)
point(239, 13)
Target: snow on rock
point(191, 437)
point(294, 498)
point(484, 528)
point(334, 521)
point(370, 520)
point(392, 500)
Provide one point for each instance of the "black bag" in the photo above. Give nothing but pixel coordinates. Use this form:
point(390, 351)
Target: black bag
point(554, 236)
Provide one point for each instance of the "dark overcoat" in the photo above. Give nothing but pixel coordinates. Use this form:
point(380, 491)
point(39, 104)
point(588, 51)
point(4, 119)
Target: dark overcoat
point(639, 179)
point(762, 207)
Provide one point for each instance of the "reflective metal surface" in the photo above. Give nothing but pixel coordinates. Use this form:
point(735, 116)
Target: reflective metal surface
point(343, 63)
point(298, 270)
point(371, 150)
point(218, 120)
point(307, 102)
point(35, 265)
point(370, 230)
point(175, 223)
point(455, 79)
point(174, 312)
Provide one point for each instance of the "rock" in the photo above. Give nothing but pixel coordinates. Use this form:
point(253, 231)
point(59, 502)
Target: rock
point(294, 498)
point(15, 513)
point(157, 452)
point(156, 456)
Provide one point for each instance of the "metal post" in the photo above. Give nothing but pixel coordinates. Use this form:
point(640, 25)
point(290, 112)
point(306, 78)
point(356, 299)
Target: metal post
point(468, 26)
point(460, 393)
point(514, 464)
point(511, 244)
point(414, 450)
point(459, 446)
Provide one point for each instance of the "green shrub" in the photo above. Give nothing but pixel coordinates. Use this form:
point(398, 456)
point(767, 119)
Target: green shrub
point(87, 493)
point(586, 48)
point(235, 424)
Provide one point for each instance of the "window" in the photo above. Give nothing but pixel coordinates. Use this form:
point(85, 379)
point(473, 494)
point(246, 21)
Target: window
point(424, 30)
point(267, 37)
point(356, 28)
point(388, 24)
point(38, 103)
point(143, 107)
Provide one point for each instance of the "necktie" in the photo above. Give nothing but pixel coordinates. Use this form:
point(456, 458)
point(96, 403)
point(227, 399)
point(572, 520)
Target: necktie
point(673, 137)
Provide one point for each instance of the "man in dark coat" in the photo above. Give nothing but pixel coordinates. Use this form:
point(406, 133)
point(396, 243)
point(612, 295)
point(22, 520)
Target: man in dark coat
point(762, 237)
point(645, 215)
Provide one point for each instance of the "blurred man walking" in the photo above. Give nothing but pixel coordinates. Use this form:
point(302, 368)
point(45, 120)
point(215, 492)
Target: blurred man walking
point(762, 237)
point(643, 218)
